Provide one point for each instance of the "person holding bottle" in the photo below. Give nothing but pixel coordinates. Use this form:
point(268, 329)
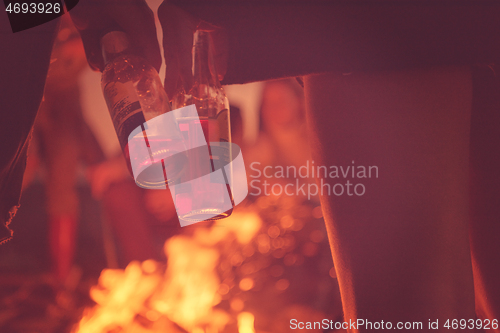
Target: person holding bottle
point(408, 87)
point(24, 62)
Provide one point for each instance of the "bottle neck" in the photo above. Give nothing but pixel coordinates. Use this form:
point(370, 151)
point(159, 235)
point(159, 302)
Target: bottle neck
point(114, 44)
point(204, 72)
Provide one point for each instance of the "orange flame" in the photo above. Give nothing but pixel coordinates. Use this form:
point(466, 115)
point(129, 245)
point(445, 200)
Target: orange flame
point(245, 322)
point(145, 298)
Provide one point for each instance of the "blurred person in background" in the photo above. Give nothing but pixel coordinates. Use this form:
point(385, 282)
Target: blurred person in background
point(64, 141)
point(141, 219)
point(295, 275)
point(282, 146)
point(283, 138)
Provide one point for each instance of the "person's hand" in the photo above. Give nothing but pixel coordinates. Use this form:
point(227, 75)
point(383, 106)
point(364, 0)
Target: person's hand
point(178, 29)
point(95, 17)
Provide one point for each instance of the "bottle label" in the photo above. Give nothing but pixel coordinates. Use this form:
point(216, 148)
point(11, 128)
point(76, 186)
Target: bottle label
point(124, 108)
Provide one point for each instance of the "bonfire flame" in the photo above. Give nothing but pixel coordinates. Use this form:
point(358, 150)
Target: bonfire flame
point(245, 323)
point(146, 298)
point(189, 291)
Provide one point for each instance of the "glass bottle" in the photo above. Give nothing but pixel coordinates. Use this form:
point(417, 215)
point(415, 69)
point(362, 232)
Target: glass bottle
point(134, 94)
point(208, 197)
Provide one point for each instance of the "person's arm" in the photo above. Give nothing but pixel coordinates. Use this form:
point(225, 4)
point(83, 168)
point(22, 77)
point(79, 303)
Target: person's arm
point(400, 238)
